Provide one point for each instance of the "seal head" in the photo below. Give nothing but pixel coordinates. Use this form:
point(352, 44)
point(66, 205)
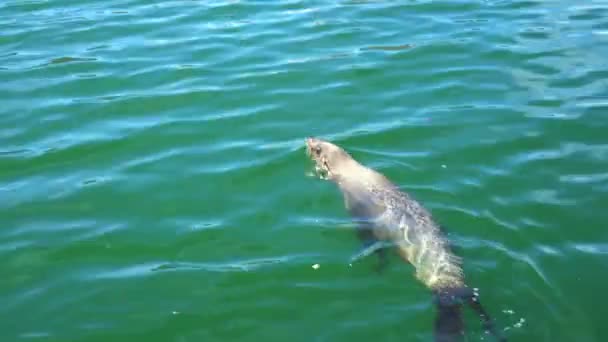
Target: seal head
point(330, 160)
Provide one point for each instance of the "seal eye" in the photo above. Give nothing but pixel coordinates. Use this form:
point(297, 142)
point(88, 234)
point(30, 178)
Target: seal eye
point(318, 149)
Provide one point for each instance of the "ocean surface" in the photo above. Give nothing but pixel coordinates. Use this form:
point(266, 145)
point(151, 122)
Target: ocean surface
point(154, 184)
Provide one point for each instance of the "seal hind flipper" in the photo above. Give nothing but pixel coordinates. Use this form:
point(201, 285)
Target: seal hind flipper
point(449, 324)
point(488, 323)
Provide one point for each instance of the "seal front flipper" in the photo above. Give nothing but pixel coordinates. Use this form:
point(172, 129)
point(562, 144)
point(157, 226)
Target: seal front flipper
point(372, 247)
point(361, 211)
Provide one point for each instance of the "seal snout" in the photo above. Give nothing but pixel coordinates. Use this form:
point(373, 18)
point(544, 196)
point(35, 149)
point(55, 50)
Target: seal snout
point(311, 142)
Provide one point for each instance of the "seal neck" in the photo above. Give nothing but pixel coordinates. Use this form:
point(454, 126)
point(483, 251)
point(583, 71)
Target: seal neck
point(352, 174)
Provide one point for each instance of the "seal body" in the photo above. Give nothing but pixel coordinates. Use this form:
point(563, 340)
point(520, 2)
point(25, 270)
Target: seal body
point(391, 215)
point(387, 214)
point(395, 216)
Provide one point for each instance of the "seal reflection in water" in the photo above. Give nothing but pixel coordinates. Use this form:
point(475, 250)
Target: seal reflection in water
point(387, 215)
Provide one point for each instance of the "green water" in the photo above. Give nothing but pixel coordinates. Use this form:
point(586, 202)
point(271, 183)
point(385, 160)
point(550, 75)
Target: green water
point(153, 181)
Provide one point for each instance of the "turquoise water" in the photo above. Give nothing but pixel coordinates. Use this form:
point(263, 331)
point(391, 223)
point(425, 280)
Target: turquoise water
point(153, 181)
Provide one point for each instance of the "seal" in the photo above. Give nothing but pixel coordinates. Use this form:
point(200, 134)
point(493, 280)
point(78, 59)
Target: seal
point(387, 215)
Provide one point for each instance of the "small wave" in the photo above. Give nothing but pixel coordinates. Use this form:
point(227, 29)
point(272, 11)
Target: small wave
point(591, 248)
point(388, 47)
point(151, 268)
point(584, 179)
point(67, 59)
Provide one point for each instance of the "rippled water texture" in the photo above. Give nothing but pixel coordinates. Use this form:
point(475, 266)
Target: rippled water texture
point(153, 178)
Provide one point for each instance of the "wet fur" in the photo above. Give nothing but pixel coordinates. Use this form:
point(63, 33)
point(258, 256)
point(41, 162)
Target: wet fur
point(385, 213)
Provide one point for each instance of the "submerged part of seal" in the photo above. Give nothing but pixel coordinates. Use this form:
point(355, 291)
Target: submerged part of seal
point(387, 214)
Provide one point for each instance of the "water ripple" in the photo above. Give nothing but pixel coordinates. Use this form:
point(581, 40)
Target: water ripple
point(163, 143)
point(148, 269)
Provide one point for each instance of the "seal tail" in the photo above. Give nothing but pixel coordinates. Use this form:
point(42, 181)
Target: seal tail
point(449, 324)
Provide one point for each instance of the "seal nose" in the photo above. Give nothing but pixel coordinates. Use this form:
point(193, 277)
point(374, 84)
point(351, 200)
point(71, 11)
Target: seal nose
point(312, 144)
point(311, 140)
